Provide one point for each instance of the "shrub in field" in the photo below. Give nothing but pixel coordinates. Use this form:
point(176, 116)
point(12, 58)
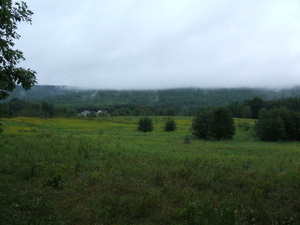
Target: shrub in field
point(56, 181)
point(223, 124)
point(215, 124)
point(1, 129)
point(145, 124)
point(170, 125)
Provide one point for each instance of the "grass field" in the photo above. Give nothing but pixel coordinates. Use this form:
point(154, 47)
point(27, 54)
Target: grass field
point(76, 171)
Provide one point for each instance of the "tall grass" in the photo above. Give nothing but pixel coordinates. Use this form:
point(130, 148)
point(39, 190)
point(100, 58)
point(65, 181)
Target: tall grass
point(72, 171)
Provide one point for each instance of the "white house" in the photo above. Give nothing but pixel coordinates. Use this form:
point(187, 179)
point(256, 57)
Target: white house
point(85, 113)
point(102, 113)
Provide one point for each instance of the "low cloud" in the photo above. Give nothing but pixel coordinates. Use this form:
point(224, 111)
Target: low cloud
point(163, 44)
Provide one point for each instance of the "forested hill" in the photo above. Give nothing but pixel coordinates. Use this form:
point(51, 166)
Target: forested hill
point(177, 98)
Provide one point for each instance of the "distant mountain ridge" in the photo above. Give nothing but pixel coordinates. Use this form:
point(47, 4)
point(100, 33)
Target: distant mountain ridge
point(177, 98)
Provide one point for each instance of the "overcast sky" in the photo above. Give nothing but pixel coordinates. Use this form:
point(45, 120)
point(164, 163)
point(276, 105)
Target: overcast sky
point(153, 44)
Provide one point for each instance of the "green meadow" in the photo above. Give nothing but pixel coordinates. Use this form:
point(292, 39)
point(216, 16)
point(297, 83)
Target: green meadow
point(103, 171)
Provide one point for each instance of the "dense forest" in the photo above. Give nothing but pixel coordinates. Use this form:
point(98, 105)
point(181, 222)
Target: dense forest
point(177, 98)
point(51, 101)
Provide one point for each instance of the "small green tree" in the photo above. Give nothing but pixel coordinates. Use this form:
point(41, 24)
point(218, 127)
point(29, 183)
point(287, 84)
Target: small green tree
point(202, 124)
point(223, 124)
point(170, 125)
point(48, 110)
point(145, 124)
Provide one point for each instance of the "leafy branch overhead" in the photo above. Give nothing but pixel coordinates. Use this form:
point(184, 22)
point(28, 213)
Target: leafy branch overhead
point(10, 74)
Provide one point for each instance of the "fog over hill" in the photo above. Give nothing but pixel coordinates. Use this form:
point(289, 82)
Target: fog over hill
point(181, 97)
point(41, 92)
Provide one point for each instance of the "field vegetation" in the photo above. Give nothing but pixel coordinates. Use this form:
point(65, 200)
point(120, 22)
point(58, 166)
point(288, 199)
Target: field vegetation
point(104, 171)
point(95, 169)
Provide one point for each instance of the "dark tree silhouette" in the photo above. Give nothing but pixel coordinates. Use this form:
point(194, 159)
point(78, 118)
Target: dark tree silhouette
point(10, 74)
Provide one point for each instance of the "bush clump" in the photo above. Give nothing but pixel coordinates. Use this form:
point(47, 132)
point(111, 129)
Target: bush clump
point(170, 125)
point(145, 124)
point(217, 124)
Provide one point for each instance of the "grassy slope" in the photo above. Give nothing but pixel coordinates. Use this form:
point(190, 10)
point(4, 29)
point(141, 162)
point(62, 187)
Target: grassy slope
point(71, 171)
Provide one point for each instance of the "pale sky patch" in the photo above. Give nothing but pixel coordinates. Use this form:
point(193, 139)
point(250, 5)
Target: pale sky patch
point(155, 44)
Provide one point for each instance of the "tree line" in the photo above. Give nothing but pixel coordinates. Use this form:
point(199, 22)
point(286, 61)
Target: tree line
point(276, 120)
point(278, 124)
point(17, 107)
point(185, 101)
point(247, 109)
point(250, 108)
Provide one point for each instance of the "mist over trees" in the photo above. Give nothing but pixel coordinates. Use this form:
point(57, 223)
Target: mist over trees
point(184, 100)
point(181, 102)
point(243, 102)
